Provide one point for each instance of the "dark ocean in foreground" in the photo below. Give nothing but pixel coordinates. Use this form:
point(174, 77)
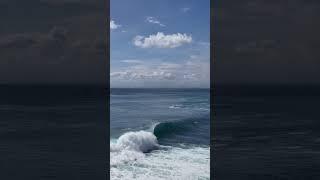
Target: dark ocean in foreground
point(160, 134)
point(267, 132)
point(53, 132)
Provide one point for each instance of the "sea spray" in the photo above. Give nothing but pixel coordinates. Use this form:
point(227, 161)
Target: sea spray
point(132, 146)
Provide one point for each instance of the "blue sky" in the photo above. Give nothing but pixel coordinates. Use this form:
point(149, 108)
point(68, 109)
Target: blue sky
point(160, 43)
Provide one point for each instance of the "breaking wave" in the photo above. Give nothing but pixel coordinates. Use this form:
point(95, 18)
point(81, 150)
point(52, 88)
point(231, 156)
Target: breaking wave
point(132, 146)
point(138, 154)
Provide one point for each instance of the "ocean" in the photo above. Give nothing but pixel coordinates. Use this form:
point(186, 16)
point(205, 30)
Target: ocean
point(159, 134)
point(266, 132)
point(53, 132)
point(260, 132)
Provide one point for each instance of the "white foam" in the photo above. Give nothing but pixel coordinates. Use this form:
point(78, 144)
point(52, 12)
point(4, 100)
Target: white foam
point(176, 106)
point(141, 141)
point(173, 163)
point(132, 146)
point(199, 107)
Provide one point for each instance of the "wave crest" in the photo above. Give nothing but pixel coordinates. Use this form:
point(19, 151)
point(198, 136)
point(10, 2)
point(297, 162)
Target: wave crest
point(141, 141)
point(132, 146)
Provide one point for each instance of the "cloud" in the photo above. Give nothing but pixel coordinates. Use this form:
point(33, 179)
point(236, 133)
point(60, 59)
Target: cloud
point(185, 9)
point(54, 56)
point(160, 40)
point(131, 61)
point(58, 33)
point(153, 20)
point(191, 72)
point(258, 46)
point(145, 72)
point(113, 25)
point(143, 75)
point(17, 41)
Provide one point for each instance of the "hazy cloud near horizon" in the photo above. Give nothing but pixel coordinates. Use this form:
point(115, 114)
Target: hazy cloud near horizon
point(190, 73)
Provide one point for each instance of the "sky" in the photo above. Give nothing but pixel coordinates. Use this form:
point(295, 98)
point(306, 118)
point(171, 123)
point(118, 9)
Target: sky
point(53, 42)
point(266, 41)
point(160, 43)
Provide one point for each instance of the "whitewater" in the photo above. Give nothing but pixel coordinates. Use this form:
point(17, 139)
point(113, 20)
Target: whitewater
point(137, 155)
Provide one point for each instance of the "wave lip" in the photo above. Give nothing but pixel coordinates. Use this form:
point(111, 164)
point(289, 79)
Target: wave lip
point(168, 128)
point(165, 129)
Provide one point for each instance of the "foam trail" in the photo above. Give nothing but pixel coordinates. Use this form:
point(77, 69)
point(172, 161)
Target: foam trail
point(174, 163)
point(137, 155)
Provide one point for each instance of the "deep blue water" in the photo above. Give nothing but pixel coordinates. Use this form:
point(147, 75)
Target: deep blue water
point(53, 132)
point(266, 132)
point(181, 116)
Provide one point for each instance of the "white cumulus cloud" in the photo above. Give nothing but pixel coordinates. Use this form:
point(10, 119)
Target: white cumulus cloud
point(113, 25)
point(153, 20)
point(160, 40)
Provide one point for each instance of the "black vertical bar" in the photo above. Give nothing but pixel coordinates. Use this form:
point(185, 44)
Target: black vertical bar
point(211, 90)
point(108, 85)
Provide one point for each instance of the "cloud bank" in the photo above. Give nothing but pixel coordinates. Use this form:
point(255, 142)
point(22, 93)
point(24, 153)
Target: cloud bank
point(193, 72)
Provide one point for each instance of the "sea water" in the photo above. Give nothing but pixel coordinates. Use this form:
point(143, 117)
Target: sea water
point(159, 134)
